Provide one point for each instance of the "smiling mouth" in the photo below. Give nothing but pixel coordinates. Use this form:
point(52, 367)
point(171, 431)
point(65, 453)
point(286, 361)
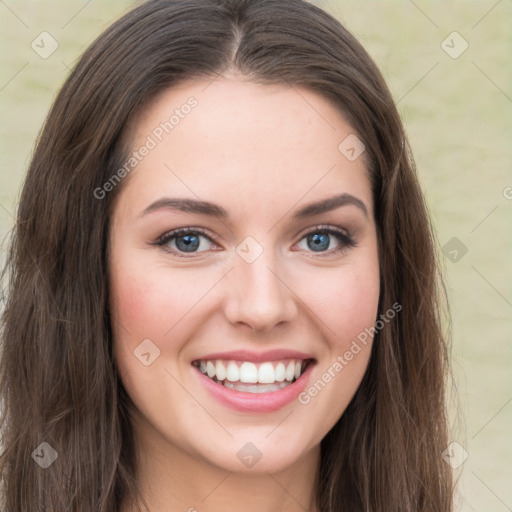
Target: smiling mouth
point(249, 377)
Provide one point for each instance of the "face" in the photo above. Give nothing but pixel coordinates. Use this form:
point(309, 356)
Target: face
point(235, 302)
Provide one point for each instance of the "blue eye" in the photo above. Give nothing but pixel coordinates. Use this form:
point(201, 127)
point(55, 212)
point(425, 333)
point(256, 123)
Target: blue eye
point(184, 240)
point(191, 241)
point(319, 240)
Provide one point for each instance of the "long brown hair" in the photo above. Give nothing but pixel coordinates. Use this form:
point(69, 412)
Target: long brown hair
point(58, 381)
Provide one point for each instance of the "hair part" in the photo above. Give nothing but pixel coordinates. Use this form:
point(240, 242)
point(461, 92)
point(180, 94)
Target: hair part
point(58, 380)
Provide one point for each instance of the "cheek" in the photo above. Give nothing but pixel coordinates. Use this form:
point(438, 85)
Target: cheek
point(148, 302)
point(345, 300)
point(145, 306)
point(136, 302)
point(142, 308)
point(145, 299)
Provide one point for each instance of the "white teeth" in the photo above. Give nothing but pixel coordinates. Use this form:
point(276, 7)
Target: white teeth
point(246, 372)
point(210, 369)
point(297, 370)
point(266, 374)
point(290, 371)
point(233, 373)
point(220, 370)
point(280, 372)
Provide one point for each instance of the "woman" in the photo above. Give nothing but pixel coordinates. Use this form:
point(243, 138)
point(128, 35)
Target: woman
point(223, 287)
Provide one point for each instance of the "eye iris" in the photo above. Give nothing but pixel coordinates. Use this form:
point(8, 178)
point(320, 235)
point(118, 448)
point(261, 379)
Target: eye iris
point(190, 243)
point(320, 241)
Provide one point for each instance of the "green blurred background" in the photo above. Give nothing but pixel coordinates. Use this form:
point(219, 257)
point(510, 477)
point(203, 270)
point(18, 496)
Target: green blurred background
point(456, 103)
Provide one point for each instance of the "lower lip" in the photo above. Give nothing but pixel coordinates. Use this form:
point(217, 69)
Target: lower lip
point(256, 402)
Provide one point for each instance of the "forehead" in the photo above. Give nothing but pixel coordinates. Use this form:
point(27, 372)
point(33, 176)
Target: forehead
point(248, 144)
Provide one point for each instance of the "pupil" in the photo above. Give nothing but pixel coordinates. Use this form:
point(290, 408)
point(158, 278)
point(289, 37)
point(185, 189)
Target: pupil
point(190, 243)
point(320, 241)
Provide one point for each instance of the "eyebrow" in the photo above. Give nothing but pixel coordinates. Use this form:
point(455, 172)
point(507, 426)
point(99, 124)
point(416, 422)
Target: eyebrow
point(207, 208)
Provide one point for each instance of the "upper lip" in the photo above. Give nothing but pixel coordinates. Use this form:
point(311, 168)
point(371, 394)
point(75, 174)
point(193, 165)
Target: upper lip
point(256, 357)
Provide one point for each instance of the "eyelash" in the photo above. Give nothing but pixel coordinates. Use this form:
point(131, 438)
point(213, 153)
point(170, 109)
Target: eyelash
point(347, 241)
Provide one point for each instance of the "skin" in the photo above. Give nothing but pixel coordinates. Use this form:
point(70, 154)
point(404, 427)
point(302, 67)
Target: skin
point(260, 152)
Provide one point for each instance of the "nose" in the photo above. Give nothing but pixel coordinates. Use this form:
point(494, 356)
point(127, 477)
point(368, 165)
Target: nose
point(259, 296)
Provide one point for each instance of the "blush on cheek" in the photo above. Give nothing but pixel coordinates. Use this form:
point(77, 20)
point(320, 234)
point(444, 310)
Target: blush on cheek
point(137, 300)
point(146, 304)
point(346, 306)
